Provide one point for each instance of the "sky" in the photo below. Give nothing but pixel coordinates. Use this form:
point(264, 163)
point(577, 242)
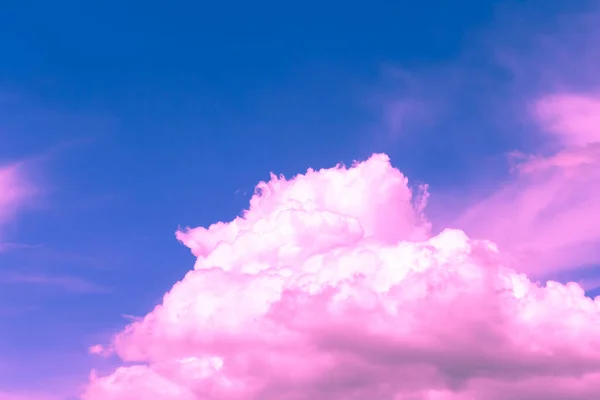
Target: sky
point(282, 201)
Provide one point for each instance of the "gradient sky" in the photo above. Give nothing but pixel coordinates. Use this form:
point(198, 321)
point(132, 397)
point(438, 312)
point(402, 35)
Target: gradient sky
point(128, 120)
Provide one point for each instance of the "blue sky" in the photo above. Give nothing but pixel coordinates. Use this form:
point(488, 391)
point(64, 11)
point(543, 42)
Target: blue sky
point(140, 117)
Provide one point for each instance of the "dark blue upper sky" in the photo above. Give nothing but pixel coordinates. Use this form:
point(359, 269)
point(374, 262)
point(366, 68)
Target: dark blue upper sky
point(142, 116)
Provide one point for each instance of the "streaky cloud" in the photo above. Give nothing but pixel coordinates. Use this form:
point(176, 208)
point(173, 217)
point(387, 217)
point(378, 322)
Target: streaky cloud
point(547, 216)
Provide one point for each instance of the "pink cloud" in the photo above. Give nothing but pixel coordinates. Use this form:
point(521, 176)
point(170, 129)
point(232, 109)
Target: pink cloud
point(547, 216)
point(14, 189)
point(331, 286)
point(573, 118)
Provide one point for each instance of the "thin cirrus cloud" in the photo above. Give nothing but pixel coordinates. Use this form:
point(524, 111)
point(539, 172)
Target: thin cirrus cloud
point(27, 396)
point(331, 286)
point(14, 190)
point(66, 283)
point(544, 216)
point(547, 217)
point(31, 396)
point(405, 115)
point(574, 119)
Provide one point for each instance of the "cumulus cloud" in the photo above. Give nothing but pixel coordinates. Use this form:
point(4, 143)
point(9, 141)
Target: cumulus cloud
point(331, 286)
point(546, 217)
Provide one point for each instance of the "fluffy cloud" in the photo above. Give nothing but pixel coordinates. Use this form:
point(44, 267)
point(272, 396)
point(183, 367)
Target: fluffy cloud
point(546, 217)
point(331, 286)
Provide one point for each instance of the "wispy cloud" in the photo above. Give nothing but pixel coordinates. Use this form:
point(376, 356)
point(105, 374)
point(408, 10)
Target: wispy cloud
point(528, 84)
point(573, 118)
point(14, 190)
point(18, 246)
point(29, 396)
point(403, 115)
point(545, 214)
point(67, 283)
point(15, 311)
